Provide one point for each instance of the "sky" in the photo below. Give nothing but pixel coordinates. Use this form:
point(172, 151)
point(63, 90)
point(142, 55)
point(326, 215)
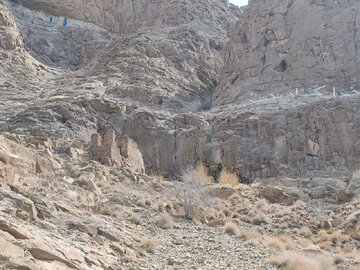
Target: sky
point(239, 2)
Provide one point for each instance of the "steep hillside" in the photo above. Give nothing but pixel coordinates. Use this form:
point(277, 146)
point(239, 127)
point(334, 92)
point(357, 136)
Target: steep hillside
point(278, 46)
point(105, 105)
point(170, 84)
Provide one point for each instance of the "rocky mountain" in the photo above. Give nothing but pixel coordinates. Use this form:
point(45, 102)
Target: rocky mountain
point(172, 79)
point(103, 102)
point(283, 45)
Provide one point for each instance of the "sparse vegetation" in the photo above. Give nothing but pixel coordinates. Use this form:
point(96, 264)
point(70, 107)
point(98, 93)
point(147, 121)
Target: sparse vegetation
point(134, 218)
point(292, 260)
point(166, 222)
point(192, 191)
point(305, 232)
point(201, 173)
point(228, 178)
point(159, 177)
point(262, 205)
point(259, 218)
point(148, 244)
point(232, 228)
point(70, 170)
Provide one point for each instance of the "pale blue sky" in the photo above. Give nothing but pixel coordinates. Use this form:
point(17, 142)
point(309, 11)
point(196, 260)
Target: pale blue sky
point(239, 2)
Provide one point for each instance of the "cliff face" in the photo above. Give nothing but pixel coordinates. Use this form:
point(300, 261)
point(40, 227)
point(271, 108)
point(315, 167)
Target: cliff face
point(126, 16)
point(161, 79)
point(164, 54)
point(278, 46)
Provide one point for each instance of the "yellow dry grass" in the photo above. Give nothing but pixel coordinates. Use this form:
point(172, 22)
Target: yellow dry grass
point(228, 178)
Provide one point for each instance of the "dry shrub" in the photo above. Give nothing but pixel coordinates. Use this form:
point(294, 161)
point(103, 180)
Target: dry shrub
point(335, 236)
point(305, 232)
point(148, 244)
point(278, 244)
point(328, 239)
point(135, 219)
point(232, 228)
point(262, 205)
point(274, 244)
point(292, 260)
point(70, 170)
point(140, 202)
point(202, 173)
point(191, 191)
point(247, 234)
point(259, 218)
point(323, 236)
point(166, 222)
point(327, 245)
point(159, 177)
point(228, 178)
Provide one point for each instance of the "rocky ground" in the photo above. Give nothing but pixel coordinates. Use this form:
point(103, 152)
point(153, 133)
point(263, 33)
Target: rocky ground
point(62, 209)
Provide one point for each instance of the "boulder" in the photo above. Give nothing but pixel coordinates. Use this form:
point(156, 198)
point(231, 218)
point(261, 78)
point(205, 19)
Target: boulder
point(277, 195)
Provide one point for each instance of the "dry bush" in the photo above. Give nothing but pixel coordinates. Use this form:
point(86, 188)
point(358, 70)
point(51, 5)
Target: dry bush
point(232, 228)
point(335, 236)
point(70, 170)
point(140, 202)
point(159, 177)
point(305, 232)
point(228, 178)
point(148, 244)
point(323, 236)
point(166, 222)
point(201, 172)
point(259, 218)
point(328, 239)
point(135, 219)
point(292, 260)
point(247, 234)
point(274, 244)
point(278, 244)
point(262, 205)
point(191, 191)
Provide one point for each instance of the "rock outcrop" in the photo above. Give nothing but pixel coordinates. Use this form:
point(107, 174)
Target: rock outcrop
point(115, 150)
point(143, 80)
point(278, 46)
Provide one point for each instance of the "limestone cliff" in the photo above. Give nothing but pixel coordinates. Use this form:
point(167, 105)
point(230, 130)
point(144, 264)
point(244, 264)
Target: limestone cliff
point(278, 46)
point(155, 83)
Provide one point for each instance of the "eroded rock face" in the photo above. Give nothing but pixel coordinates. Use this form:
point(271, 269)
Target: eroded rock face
point(114, 150)
point(278, 46)
point(144, 81)
point(127, 16)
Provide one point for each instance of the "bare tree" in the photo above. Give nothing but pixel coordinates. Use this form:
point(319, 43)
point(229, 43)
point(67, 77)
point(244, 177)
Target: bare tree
point(191, 191)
